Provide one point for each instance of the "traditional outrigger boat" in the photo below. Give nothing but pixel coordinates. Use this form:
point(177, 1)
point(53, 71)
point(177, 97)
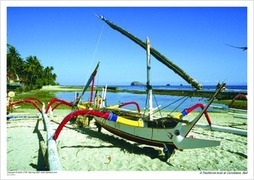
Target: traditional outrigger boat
point(169, 132)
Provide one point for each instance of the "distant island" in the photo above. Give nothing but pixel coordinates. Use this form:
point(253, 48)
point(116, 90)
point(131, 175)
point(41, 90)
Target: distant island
point(136, 83)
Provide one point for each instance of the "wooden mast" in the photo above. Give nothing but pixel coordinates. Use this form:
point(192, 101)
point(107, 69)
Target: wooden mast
point(148, 85)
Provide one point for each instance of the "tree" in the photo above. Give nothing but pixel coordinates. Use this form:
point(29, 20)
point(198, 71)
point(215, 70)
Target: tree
point(30, 71)
point(49, 77)
point(15, 63)
point(34, 72)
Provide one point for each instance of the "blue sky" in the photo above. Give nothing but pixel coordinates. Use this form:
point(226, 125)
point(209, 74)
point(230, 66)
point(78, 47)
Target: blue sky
point(73, 40)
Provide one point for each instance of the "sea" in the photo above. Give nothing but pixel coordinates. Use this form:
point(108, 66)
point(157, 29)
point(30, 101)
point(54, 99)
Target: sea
point(163, 102)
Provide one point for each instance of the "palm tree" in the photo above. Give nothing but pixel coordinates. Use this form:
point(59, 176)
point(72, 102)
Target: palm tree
point(49, 77)
point(33, 70)
point(30, 71)
point(14, 62)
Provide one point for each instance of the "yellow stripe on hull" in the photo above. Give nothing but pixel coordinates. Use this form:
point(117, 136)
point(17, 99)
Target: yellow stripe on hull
point(138, 123)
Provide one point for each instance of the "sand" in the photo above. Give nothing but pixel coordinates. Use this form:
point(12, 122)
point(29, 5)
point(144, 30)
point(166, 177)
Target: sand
point(85, 149)
point(59, 88)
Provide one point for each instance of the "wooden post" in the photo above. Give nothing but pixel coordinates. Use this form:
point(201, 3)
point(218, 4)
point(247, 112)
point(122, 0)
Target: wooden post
point(53, 159)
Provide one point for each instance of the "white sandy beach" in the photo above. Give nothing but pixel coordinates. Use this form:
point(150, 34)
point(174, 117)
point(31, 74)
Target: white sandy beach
point(84, 149)
point(59, 88)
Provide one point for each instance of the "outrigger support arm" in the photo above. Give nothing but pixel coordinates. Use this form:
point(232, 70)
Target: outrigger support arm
point(132, 102)
point(35, 99)
point(28, 100)
point(188, 110)
point(236, 97)
point(59, 102)
point(102, 114)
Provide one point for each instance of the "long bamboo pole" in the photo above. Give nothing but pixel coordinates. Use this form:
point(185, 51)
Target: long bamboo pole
point(223, 129)
point(53, 159)
point(156, 54)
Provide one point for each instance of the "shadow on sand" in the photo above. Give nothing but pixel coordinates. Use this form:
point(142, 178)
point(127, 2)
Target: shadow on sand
point(124, 145)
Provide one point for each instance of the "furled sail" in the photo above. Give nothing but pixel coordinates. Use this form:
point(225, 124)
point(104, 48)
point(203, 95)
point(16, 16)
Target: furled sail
point(156, 54)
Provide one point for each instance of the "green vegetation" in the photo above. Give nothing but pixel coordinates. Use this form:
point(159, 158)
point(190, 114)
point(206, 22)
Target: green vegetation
point(238, 104)
point(44, 96)
point(29, 72)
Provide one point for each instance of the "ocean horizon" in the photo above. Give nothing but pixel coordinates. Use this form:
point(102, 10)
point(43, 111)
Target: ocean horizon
point(165, 102)
point(242, 88)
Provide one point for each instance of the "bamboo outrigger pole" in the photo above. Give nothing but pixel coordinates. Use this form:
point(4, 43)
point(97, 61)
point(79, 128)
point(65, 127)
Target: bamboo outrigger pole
point(53, 159)
point(156, 54)
point(242, 132)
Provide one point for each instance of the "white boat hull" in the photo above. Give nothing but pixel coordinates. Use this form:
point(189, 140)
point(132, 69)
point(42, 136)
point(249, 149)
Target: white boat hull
point(161, 137)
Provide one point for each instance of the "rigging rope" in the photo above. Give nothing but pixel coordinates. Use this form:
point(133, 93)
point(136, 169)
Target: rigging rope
point(186, 97)
point(160, 109)
point(157, 104)
point(96, 49)
point(94, 54)
point(98, 42)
